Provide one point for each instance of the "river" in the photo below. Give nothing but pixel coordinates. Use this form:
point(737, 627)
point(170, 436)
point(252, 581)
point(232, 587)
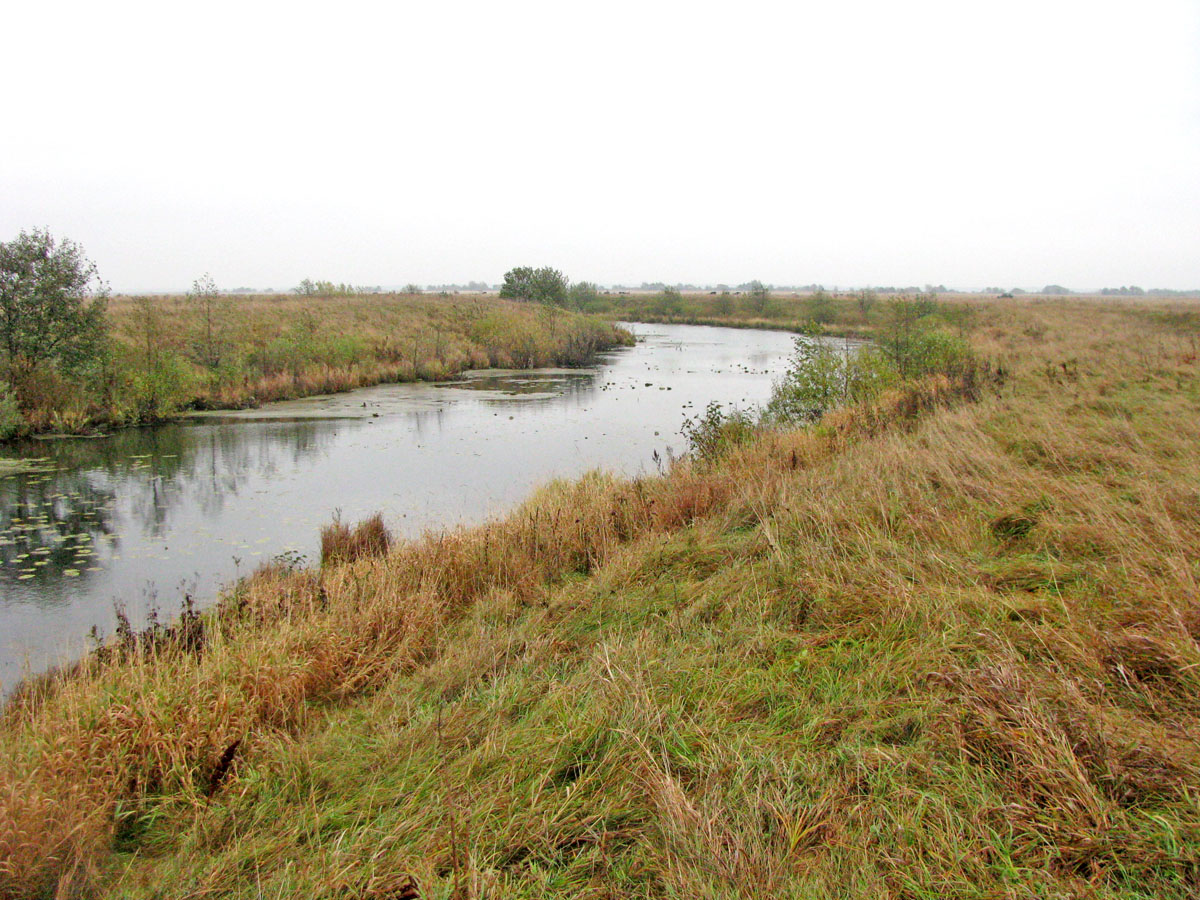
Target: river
point(140, 518)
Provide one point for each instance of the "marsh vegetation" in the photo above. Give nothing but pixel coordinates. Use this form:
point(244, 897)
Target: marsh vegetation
point(941, 641)
point(164, 355)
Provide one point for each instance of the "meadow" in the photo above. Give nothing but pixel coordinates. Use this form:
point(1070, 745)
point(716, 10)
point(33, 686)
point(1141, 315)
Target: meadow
point(165, 355)
point(941, 641)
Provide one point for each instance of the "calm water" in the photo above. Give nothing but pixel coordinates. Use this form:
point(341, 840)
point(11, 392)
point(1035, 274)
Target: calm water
point(144, 516)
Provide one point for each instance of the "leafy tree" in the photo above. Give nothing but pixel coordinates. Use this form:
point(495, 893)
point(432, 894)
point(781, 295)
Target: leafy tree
point(52, 303)
point(544, 285)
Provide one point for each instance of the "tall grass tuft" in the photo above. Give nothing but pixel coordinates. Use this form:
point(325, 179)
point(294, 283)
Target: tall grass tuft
point(342, 543)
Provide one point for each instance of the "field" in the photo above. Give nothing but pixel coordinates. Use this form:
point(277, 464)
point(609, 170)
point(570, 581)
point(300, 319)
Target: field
point(942, 644)
point(169, 354)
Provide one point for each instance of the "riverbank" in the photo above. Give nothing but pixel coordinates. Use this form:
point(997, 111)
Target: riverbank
point(943, 645)
point(149, 513)
point(861, 315)
point(167, 355)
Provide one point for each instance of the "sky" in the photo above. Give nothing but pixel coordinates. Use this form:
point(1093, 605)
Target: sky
point(975, 144)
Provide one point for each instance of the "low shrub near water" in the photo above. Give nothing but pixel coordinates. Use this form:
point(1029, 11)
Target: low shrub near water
point(825, 374)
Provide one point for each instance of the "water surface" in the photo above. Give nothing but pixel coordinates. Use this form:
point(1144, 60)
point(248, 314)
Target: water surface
point(144, 516)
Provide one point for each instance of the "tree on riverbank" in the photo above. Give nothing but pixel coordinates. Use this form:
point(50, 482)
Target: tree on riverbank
point(544, 285)
point(52, 304)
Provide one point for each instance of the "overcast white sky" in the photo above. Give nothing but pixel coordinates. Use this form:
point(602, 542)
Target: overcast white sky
point(968, 143)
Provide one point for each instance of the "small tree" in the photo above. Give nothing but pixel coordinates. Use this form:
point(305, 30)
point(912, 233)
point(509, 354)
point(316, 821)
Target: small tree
point(209, 344)
point(866, 302)
point(759, 296)
point(52, 303)
point(544, 285)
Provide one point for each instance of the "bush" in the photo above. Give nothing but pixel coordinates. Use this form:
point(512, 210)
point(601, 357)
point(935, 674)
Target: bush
point(161, 388)
point(585, 297)
point(714, 432)
point(925, 352)
point(821, 308)
point(11, 420)
point(822, 376)
point(669, 303)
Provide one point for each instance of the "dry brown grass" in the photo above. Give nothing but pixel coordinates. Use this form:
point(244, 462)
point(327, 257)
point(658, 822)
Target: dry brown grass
point(342, 543)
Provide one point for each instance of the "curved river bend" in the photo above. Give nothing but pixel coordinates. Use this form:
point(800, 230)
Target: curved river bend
point(144, 516)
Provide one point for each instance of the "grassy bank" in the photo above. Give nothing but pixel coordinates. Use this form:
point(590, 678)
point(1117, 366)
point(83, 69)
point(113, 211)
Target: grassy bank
point(861, 314)
point(944, 644)
point(169, 354)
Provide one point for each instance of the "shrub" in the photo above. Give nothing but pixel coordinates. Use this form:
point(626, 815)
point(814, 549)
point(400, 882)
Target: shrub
point(11, 420)
point(821, 308)
point(161, 388)
point(822, 376)
point(585, 297)
point(670, 303)
point(712, 434)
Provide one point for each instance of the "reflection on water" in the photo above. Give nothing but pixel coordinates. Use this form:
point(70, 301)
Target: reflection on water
point(148, 514)
point(52, 527)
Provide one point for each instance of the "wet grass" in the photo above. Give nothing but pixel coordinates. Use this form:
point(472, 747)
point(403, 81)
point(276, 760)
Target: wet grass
point(935, 647)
